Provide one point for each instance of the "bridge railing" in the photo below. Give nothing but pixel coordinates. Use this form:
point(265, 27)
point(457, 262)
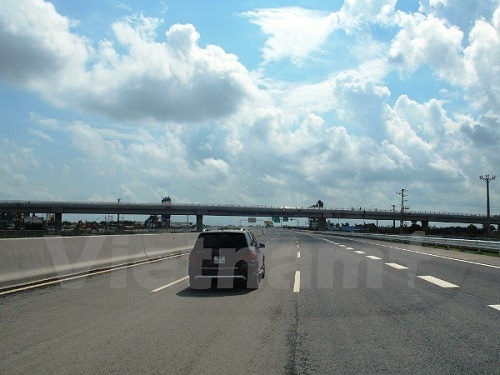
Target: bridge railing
point(203, 205)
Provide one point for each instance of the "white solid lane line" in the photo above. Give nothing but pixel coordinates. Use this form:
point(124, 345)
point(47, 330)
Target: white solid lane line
point(397, 266)
point(439, 282)
point(83, 276)
point(373, 257)
point(497, 307)
point(168, 285)
point(443, 257)
point(296, 284)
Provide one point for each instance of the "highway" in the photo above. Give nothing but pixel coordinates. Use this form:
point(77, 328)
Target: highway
point(327, 305)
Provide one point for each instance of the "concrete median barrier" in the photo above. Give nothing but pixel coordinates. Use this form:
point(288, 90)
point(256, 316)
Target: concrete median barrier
point(30, 259)
point(158, 245)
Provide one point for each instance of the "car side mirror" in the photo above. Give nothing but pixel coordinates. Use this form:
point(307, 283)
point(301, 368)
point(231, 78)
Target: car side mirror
point(262, 245)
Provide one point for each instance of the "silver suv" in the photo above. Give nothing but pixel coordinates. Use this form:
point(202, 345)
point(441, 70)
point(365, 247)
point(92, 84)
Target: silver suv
point(223, 258)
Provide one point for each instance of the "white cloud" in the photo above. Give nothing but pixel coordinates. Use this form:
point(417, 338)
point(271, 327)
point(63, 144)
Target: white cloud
point(439, 146)
point(428, 40)
point(484, 133)
point(37, 45)
point(213, 167)
point(273, 180)
point(293, 32)
point(174, 80)
point(461, 13)
point(361, 103)
point(17, 162)
point(354, 13)
point(482, 57)
point(88, 140)
point(44, 122)
point(296, 33)
point(447, 168)
point(41, 134)
point(17, 157)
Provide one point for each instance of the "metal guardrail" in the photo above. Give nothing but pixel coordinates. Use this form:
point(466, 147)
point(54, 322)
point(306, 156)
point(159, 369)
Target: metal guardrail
point(483, 245)
point(452, 242)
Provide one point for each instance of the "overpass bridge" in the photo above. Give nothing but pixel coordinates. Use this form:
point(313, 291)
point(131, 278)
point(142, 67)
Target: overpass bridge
point(58, 208)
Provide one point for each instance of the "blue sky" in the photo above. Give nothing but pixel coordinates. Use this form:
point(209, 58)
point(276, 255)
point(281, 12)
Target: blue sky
point(251, 102)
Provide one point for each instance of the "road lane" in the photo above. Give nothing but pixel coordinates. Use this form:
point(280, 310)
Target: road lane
point(470, 275)
point(113, 323)
point(345, 313)
point(394, 325)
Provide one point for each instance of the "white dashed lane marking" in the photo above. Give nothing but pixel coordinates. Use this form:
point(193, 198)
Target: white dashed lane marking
point(397, 266)
point(296, 284)
point(439, 282)
point(298, 254)
point(430, 279)
point(169, 285)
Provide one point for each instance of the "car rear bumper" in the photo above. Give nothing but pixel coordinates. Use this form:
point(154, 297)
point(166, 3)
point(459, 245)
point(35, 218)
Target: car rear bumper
point(238, 273)
point(202, 277)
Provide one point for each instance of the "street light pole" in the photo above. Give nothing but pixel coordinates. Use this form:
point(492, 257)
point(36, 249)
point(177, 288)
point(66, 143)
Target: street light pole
point(487, 179)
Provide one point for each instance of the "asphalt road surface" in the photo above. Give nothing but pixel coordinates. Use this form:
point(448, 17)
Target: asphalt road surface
point(328, 305)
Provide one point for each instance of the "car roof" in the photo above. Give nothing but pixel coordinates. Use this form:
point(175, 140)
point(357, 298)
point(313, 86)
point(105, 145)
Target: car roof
point(222, 231)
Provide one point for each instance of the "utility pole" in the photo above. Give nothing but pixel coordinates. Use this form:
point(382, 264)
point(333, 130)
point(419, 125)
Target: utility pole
point(487, 179)
point(393, 210)
point(403, 208)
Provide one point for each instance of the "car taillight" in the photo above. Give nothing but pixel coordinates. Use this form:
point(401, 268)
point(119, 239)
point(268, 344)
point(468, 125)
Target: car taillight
point(250, 256)
point(192, 257)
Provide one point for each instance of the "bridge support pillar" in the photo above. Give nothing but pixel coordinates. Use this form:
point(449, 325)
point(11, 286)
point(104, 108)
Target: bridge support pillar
point(58, 222)
point(425, 226)
point(322, 224)
point(199, 223)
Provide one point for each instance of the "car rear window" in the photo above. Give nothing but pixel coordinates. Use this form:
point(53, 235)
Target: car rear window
point(223, 240)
